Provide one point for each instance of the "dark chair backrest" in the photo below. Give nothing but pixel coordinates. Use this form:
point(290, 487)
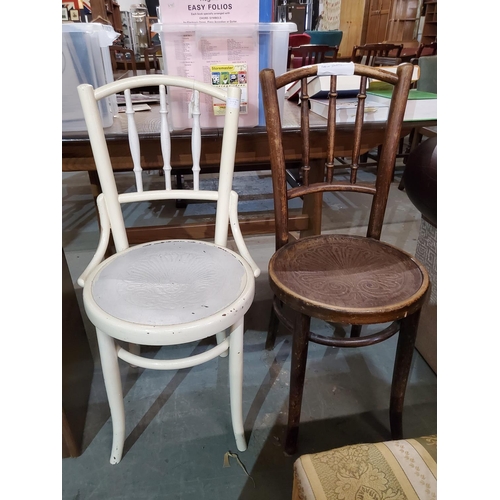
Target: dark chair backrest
point(310, 54)
point(124, 56)
point(426, 49)
point(364, 54)
point(323, 179)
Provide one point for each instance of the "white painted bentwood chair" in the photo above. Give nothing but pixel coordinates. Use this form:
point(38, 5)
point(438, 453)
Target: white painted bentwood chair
point(169, 292)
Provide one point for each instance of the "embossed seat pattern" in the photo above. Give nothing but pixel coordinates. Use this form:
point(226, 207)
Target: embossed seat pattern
point(346, 271)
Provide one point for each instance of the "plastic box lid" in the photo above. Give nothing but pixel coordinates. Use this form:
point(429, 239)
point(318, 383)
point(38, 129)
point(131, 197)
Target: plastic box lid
point(106, 34)
point(224, 27)
point(268, 49)
point(86, 59)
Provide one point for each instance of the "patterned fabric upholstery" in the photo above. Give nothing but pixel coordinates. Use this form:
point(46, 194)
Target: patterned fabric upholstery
point(393, 470)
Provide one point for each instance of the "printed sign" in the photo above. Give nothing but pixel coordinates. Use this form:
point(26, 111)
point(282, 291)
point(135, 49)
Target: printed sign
point(218, 60)
point(209, 11)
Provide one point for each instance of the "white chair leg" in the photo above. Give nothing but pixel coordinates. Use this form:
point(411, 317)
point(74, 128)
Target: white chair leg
point(236, 383)
point(221, 336)
point(113, 384)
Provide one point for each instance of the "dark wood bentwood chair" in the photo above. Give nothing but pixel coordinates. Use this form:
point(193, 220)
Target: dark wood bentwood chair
point(351, 280)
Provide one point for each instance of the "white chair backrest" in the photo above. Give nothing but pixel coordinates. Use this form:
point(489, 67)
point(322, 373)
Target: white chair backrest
point(89, 98)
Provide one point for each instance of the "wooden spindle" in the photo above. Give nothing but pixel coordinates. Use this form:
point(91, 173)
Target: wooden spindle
point(166, 146)
point(304, 119)
point(196, 138)
point(133, 140)
point(331, 126)
point(360, 116)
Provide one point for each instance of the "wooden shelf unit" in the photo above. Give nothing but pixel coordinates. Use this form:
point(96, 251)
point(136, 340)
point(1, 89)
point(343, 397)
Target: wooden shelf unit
point(429, 32)
point(107, 12)
point(376, 21)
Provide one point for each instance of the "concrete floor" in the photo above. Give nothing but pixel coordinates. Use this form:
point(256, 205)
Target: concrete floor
point(178, 423)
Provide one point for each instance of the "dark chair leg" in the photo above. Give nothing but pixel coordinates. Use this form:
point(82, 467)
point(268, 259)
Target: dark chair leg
point(297, 374)
point(180, 185)
point(401, 145)
point(355, 330)
point(404, 355)
point(410, 142)
point(272, 330)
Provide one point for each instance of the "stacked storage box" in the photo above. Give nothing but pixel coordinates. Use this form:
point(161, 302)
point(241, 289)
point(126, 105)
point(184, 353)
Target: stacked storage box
point(224, 55)
point(85, 59)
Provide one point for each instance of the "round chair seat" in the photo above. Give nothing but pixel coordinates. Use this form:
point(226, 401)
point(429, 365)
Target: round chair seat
point(183, 289)
point(346, 278)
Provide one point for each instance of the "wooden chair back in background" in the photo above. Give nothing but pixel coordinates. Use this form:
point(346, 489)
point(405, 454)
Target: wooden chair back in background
point(305, 55)
point(122, 55)
point(364, 54)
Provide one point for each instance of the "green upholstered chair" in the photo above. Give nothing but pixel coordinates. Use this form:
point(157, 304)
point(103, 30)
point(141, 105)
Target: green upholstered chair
point(426, 83)
point(428, 74)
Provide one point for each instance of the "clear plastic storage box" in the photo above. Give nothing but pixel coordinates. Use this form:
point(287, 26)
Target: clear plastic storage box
point(85, 59)
point(224, 55)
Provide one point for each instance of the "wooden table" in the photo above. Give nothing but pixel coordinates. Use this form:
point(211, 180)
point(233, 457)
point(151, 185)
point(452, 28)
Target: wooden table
point(252, 153)
point(77, 368)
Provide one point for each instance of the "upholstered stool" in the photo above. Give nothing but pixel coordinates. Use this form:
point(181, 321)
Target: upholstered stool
point(404, 469)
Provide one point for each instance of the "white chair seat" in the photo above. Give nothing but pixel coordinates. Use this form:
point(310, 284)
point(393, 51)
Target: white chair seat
point(169, 290)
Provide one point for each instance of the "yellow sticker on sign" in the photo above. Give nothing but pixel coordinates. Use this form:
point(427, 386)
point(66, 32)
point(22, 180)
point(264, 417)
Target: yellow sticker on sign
point(229, 75)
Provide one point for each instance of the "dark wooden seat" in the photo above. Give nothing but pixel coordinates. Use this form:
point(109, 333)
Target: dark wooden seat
point(337, 277)
point(366, 53)
point(352, 280)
